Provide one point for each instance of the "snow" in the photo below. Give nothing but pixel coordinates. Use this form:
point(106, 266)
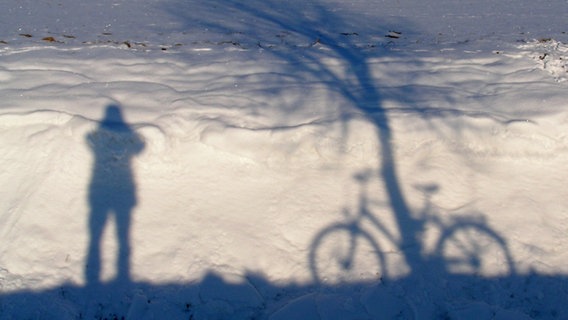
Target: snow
point(166, 159)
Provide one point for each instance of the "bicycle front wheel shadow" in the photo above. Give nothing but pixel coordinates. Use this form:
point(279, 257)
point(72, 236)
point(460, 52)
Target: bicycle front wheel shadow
point(343, 254)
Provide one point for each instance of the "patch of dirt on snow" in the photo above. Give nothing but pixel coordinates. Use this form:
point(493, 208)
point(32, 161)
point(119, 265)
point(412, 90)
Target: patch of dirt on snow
point(551, 56)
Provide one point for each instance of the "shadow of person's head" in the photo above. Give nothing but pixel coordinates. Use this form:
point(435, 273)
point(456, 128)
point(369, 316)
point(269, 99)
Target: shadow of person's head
point(113, 118)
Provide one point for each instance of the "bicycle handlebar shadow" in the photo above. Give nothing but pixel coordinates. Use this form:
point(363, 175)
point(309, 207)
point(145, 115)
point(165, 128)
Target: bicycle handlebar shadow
point(112, 191)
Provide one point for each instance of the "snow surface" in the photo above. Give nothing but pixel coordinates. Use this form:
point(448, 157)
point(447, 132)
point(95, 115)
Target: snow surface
point(168, 159)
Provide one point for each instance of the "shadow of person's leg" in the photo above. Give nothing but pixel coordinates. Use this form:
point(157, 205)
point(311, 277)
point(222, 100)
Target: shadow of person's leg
point(123, 236)
point(97, 221)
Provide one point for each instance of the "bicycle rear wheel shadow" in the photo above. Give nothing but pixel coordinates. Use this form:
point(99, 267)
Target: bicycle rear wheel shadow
point(469, 246)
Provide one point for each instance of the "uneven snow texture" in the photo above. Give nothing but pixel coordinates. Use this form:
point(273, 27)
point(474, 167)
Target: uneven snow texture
point(298, 160)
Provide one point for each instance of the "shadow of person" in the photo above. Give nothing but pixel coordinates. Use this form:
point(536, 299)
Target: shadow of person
point(112, 190)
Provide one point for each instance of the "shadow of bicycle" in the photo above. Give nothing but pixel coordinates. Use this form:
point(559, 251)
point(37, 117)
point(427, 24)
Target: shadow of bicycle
point(353, 250)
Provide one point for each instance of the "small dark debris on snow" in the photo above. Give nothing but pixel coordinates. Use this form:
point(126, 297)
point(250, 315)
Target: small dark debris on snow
point(264, 47)
point(393, 34)
point(127, 44)
point(27, 35)
point(68, 36)
point(234, 43)
point(107, 33)
point(3, 42)
point(543, 40)
point(48, 39)
point(349, 33)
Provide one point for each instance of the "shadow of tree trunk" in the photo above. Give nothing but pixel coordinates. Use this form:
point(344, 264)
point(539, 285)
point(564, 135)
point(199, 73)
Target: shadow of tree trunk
point(321, 34)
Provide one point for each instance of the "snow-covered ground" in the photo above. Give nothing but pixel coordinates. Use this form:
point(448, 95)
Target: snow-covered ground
point(184, 159)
